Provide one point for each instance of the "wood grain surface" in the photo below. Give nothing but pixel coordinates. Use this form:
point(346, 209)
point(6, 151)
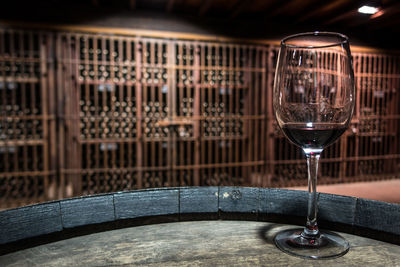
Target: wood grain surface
point(195, 243)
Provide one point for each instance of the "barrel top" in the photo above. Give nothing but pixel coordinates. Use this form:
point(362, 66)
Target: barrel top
point(205, 243)
point(48, 222)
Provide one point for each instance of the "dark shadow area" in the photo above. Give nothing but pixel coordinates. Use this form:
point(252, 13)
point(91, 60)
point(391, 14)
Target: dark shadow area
point(378, 235)
point(238, 216)
point(223, 21)
point(268, 232)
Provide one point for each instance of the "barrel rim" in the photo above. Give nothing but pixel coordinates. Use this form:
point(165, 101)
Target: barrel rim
point(47, 222)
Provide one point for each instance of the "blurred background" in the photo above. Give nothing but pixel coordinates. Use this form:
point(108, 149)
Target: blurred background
point(103, 96)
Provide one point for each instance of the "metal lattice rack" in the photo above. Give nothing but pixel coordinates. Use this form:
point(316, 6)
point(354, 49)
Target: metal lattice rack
point(85, 113)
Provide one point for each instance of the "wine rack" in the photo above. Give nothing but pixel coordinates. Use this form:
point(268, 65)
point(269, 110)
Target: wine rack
point(369, 149)
point(26, 173)
point(86, 113)
point(376, 141)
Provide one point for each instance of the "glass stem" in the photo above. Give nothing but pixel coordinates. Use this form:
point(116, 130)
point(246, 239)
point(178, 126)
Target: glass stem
point(311, 230)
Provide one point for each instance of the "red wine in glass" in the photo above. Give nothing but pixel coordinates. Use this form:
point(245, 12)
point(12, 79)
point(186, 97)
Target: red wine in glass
point(317, 136)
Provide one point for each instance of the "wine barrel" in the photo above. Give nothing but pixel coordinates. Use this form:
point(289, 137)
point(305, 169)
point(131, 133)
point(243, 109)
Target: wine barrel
point(223, 224)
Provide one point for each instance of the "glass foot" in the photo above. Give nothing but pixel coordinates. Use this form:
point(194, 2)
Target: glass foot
point(327, 245)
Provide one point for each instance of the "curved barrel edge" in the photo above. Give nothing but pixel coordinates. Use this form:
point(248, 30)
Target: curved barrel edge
point(359, 216)
point(30, 221)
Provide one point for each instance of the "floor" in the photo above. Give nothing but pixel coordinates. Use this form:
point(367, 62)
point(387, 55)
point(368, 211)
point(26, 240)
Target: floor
point(388, 191)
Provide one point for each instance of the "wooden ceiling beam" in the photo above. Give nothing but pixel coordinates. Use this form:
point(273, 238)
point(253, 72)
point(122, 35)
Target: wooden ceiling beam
point(170, 6)
point(205, 7)
point(345, 16)
point(132, 4)
point(271, 8)
point(324, 10)
point(388, 2)
point(392, 24)
point(291, 7)
point(239, 7)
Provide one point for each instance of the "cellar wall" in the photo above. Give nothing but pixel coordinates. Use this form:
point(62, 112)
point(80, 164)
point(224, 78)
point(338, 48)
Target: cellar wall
point(85, 113)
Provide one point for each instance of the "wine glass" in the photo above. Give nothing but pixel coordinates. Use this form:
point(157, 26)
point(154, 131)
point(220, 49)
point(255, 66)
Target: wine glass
point(313, 98)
